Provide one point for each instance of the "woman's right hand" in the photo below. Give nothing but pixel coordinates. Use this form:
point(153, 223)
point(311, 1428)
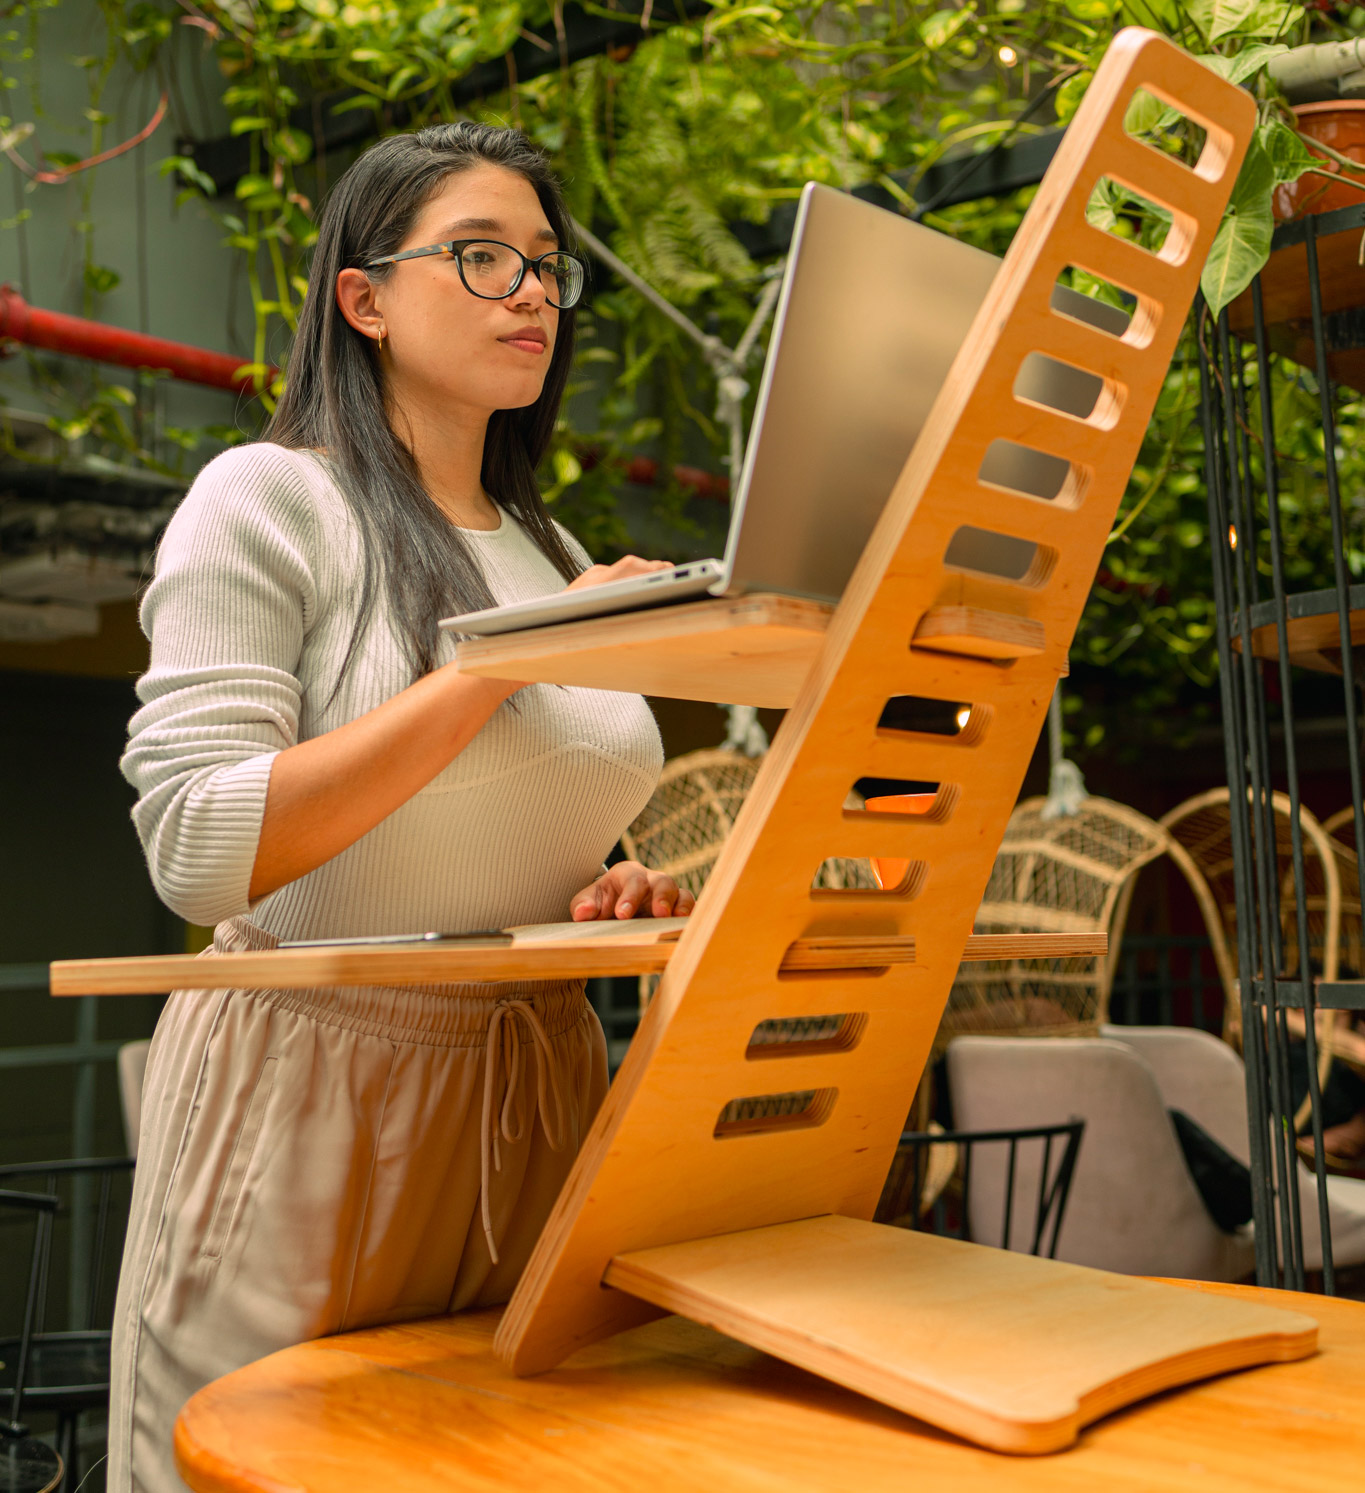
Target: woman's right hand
point(626, 567)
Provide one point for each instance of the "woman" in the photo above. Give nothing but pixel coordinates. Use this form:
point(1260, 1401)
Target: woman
point(310, 764)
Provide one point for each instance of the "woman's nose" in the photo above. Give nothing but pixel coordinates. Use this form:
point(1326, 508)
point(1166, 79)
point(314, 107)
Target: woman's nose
point(530, 293)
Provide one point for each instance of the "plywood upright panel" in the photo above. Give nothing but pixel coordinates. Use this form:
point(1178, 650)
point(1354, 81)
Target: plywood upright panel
point(672, 1157)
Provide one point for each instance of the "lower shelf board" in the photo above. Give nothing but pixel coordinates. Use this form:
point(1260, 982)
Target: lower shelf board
point(1004, 1349)
point(554, 951)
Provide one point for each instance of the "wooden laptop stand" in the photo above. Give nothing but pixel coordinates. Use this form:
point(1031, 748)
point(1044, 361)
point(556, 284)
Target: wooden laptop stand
point(753, 1217)
point(759, 1226)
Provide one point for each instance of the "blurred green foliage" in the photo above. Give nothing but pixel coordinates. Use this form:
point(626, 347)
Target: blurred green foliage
point(670, 146)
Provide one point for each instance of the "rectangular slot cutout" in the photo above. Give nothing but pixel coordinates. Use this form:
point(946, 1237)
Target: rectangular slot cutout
point(999, 556)
point(889, 798)
point(1118, 210)
point(1054, 385)
point(1035, 474)
point(844, 873)
point(922, 715)
point(770, 1114)
point(1099, 303)
point(881, 876)
point(867, 788)
point(1147, 114)
point(806, 1036)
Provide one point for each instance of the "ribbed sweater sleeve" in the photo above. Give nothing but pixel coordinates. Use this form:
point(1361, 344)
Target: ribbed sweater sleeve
point(227, 611)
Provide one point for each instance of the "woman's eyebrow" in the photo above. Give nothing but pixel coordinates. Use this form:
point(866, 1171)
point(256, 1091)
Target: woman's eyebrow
point(491, 225)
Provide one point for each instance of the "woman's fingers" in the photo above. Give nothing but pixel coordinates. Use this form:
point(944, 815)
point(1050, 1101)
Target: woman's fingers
point(629, 890)
point(664, 892)
point(633, 890)
point(621, 570)
point(586, 904)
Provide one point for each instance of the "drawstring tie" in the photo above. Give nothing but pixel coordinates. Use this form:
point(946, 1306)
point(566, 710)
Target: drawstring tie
point(507, 1119)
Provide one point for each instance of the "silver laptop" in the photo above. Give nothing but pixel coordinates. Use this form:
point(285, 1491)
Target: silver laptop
point(872, 312)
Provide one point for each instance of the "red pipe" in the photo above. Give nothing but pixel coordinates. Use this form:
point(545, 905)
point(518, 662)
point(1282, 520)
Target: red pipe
point(644, 471)
point(20, 322)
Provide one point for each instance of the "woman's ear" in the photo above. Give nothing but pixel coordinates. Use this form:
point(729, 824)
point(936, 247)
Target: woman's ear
point(355, 293)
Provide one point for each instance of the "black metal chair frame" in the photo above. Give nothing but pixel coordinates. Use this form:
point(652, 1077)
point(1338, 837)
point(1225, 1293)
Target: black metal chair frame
point(1054, 1184)
point(27, 1351)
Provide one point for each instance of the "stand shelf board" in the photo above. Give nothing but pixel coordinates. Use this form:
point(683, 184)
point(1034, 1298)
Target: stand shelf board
point(977, 632)
point(745, 650)
point(943, 1330)
point(558, 952)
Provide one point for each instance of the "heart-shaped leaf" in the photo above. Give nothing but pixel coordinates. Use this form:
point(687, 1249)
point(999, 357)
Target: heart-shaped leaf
point(1242, 243)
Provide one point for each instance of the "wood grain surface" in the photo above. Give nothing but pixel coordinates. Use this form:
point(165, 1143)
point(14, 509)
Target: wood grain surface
point(638, 948)
point(919, 1322)
point(673, 1407)
point(977, 633)
point(745, 650)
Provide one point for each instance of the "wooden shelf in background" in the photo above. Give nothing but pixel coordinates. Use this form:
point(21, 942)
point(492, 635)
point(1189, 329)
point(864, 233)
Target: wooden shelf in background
point(625, 949)
point(746, 650)
point(1314, 637)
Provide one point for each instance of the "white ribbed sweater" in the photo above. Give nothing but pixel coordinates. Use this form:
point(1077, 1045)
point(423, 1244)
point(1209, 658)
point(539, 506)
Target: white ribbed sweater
point(249, 616)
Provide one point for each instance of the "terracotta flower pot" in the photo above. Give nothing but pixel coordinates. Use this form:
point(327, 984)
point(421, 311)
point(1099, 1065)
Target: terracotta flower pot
point(1339, 123)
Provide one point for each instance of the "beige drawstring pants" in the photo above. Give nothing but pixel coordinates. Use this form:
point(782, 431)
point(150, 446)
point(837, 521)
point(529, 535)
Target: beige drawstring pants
point(316, 1161)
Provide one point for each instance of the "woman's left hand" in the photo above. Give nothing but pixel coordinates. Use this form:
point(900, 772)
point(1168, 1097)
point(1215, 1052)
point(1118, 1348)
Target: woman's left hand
point(631, 890)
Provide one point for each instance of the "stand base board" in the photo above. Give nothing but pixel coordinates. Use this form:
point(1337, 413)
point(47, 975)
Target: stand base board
point(1012, 1352)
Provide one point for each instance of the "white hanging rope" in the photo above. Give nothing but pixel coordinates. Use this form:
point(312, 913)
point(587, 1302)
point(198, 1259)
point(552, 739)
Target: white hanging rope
point(727, 365)
point(1065, 786)
point(745, 734)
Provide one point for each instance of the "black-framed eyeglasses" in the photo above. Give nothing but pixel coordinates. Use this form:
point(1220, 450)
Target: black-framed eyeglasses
point(492, 271)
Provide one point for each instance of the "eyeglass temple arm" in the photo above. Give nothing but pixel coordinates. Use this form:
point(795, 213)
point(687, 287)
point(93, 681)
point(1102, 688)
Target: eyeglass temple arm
point(412, 254)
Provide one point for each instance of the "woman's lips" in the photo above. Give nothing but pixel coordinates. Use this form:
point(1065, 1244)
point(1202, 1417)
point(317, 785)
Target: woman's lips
point(528, 339)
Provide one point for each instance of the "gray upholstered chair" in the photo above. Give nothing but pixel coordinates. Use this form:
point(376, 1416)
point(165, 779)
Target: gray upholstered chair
point(1205, 1078)
point(1133, 1207)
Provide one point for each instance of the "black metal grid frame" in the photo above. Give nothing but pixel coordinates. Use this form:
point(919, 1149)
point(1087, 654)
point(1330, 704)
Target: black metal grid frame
point(1244, 506)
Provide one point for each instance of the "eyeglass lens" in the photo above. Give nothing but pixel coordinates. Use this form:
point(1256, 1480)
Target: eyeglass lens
point(491, 270)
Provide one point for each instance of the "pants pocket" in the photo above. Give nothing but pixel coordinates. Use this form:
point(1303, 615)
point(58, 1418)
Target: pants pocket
point(229, 1195)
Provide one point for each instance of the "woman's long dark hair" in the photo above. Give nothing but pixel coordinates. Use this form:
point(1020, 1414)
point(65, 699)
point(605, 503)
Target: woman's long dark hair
point(333, 399)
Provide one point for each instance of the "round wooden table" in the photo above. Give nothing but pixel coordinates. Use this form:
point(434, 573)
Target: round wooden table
point(424, 1406)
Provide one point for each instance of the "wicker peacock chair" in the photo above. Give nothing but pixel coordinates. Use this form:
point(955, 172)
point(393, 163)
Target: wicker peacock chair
point(1066, 875)
point(692, 811)
point(683, 826)
point(1201, 829)
point(1340, 828)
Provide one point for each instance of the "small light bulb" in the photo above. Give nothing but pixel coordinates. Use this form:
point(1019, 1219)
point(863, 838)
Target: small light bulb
point(964, 714)
point(1232, 536)
point(1008, 56)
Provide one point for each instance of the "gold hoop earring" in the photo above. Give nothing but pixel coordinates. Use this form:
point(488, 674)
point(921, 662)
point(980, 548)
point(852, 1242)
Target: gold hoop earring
point(381, 340)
